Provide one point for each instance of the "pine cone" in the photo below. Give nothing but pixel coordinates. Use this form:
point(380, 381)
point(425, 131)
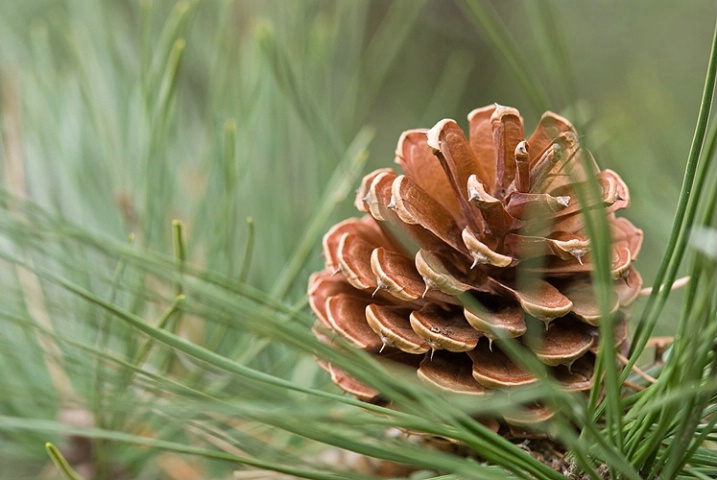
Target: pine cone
point(495, 218)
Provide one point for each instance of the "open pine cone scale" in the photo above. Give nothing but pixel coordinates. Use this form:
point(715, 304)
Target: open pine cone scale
point(495, 217)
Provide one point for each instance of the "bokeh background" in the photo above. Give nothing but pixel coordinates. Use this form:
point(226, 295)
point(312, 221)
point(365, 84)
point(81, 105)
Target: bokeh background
point(121, 116)
point(629, 75)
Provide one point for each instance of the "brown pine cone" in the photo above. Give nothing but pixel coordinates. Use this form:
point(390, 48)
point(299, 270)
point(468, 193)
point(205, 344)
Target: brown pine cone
point(493, 217)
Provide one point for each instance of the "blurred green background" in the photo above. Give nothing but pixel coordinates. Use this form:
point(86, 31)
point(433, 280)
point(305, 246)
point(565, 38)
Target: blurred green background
point(121, 116)
point(77, 74)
